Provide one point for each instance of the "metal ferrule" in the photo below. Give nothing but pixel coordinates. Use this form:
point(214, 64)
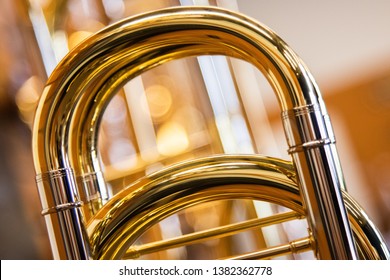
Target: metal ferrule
point(62, 209)
point(306, 127)
point(95, 196)
point(58, 190)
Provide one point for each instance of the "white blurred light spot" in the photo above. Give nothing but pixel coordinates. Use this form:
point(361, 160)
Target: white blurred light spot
point(172, 139)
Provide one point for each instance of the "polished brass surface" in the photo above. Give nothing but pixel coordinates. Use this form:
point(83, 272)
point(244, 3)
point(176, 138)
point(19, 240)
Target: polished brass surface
point(65, 136)
point(124, 219)
point(222, 231)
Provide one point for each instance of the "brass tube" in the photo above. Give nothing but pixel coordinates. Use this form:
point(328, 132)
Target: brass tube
point(293, 247)
point(123, 220)
point(151, 199)
point(218, 232)
point(69, 112)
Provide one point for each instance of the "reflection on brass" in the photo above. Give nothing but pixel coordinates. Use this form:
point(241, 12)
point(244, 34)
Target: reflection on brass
point(123, 220)
point(188, 239)
point(95, 224)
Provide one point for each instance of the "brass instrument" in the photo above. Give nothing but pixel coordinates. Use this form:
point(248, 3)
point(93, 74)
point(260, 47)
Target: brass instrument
point(85, 223)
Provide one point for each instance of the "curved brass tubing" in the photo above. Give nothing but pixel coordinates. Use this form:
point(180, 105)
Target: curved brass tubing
point(124, 219)
point(66, 123)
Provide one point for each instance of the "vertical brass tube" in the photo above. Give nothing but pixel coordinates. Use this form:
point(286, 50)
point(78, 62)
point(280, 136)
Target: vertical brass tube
point(67, 120)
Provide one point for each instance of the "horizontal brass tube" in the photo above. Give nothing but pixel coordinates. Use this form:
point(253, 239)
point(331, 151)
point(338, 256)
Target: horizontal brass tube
point(295, 246)
point(218, 232)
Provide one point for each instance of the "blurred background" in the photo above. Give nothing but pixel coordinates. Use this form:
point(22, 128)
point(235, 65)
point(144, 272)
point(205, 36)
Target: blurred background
point(345, 44)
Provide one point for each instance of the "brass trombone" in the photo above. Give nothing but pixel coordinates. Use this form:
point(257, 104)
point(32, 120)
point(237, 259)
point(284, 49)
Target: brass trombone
point(85, 223)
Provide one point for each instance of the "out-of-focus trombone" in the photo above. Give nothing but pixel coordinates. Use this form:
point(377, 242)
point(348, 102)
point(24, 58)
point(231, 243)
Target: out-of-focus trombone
point(85, 222)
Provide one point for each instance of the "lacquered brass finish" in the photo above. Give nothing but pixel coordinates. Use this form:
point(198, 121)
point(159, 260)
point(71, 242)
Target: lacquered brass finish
point(124, 219)
point(222, 231)
point(69, 113)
